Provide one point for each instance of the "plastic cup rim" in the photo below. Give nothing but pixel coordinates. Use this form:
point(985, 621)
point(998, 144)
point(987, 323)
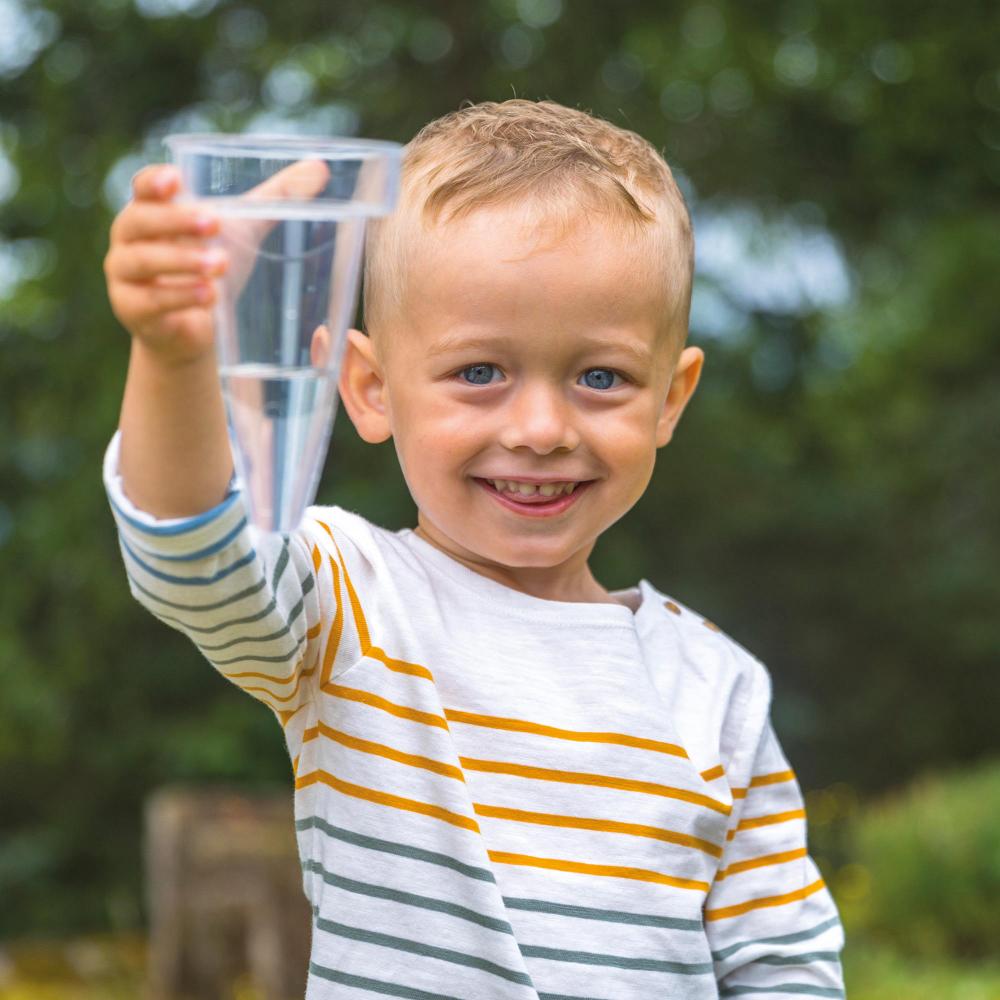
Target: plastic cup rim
point(279, 147)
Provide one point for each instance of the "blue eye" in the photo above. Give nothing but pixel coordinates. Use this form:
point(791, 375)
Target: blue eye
point(600, 378)
point(479, 374)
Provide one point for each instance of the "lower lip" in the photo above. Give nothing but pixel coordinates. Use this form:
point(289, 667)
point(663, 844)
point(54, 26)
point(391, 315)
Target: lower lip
point(537, 508)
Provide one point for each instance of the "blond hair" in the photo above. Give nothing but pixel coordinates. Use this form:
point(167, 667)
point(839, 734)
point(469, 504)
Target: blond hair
point(567, 162)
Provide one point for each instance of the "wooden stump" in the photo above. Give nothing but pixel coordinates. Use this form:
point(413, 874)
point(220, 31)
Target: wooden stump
point(225, 896)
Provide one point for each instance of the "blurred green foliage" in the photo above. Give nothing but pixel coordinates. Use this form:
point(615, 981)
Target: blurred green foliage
point(925, 878)
point(829, 499)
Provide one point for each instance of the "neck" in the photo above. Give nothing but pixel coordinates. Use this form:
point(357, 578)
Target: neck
point(569, 581)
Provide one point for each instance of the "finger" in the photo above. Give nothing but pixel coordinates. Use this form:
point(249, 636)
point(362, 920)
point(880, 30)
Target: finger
point(319, 348)
point(145, 261)
point(157, 182)
point(135, 303)
point(300, 181)
point(143, 220)
point(304, 179)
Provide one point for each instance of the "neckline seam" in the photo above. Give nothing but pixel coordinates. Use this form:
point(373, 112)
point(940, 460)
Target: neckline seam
point(582, 611)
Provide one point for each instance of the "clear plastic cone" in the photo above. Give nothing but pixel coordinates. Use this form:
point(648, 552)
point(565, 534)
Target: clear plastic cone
point(293, 213)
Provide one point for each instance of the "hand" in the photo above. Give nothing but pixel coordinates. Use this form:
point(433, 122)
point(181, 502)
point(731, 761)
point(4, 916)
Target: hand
point(160, 269)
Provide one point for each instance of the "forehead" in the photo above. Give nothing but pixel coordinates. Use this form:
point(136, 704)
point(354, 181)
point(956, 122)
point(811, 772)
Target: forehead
point(517, 267)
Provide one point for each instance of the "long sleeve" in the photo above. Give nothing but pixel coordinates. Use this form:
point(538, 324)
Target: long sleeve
point(772, 924)
point(247, 600)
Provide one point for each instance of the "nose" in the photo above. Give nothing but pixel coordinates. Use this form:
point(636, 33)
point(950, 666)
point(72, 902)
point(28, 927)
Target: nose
point(539, 418)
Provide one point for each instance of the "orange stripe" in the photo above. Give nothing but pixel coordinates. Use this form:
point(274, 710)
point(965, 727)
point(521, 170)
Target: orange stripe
point(761, 862)
point(265, 677)
point(755, 821)
point(400, 666)
point(316, 557)
point(291, 694)
point(500, 812)
point(285, 716)
point(402, 711)
point(270, 677)
point(381, 750)
point(336, 628)
point(614, 871)
point(764, 901)
point(310, 634)
point(359, 616)
point(267, 701)
point(713, 772)
point(603, 780)
point(385, 799)
point(772, 779)
point(763, 779)
point(361, 624)
point(523, 726)
point(603, 825)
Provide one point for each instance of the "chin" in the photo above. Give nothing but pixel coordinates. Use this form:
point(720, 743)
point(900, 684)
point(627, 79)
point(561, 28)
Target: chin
point(529, 556)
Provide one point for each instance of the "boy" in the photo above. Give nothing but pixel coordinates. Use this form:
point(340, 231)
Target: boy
point(510, 783)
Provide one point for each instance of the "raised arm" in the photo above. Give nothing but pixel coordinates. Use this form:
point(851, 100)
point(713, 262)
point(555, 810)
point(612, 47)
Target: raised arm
point(249, 601)
point(175, 456)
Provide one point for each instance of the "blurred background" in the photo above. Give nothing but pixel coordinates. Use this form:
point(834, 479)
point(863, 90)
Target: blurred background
point(831, 499)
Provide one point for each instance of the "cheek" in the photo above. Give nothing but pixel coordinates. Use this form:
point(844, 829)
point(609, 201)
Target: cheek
point(433, 443)
point(626, 439)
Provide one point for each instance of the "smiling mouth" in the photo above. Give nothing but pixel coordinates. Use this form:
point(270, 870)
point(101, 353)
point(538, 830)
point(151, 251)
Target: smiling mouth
point(518, 489)
point(535, 498)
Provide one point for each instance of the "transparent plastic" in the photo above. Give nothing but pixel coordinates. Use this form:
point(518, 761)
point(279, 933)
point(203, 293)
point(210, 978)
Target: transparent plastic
point(293, 212)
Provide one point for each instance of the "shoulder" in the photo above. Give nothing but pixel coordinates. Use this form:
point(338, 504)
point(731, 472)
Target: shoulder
point(703, 647)
point(716, 679)
point(360, 547)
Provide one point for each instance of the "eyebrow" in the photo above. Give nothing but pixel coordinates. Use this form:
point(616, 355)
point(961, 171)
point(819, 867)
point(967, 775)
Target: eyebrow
point(456, 342)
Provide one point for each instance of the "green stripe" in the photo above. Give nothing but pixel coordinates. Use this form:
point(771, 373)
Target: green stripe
point(394, 847)
point(259, 585)
point(420, 948)
point(612, 916)
point(279, 566)
point(212, 629)
point(376, 985)
point(202, 553)
point(191, 580)
point(565, 996)
point(801, 959)
point(409, 898)
point(307, 585)
point(292, 618)
point(283, 658)
point(799, 989)
point(780, 939)
point(618, 961)
point(485, 875)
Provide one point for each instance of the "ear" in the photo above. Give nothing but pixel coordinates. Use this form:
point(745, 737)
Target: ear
point(362, 388)
point(687, 371)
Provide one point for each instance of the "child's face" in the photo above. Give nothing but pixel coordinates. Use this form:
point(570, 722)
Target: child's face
point(548, 369)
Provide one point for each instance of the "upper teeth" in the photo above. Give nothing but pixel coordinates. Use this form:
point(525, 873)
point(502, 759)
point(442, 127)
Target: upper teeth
point(530, 489)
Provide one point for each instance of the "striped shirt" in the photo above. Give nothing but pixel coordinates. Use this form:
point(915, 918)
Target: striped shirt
point(499, 796)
